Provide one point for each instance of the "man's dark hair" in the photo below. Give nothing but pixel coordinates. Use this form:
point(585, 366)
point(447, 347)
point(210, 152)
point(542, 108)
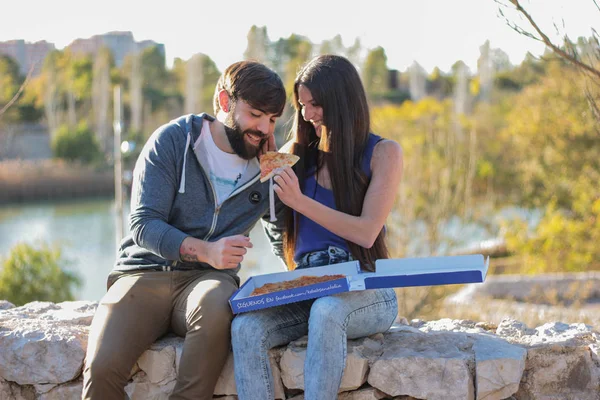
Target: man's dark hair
point(254, 83)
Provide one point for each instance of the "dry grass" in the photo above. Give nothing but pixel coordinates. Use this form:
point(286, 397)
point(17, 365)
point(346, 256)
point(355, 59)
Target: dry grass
point(51, 179)
point(579, 303)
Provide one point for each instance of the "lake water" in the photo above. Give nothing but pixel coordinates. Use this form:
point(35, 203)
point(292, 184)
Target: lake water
point(85, 229)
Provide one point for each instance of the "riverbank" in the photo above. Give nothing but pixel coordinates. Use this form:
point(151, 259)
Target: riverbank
point(42, 180)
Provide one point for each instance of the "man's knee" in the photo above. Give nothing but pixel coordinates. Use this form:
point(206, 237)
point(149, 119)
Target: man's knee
point(212, 307)
point(101, 368)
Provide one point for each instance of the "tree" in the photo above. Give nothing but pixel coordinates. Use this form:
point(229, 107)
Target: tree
point(155, 77)
point(135, 93)
point(354, 54)
point(101, 100)
point(485, 71)
point(417, 81)
point(76, 143)
point(514, 79)
point(286, 56)
point(460, 74)
point(11, 86)
point(258, 44)
point(194, 84)
point(439, 84)
point(52, 98)
point(333, 46)
point(162, 98)
point(439, 173)
point(375, 73)
point(553, 146)
point(201, 76)
point(36, 274)
point(569, 51)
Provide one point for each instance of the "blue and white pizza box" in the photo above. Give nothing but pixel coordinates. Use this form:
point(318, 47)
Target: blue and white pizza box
point(393, 272)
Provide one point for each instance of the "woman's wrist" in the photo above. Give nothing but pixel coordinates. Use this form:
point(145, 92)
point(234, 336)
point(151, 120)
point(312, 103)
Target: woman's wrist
point(302, 204)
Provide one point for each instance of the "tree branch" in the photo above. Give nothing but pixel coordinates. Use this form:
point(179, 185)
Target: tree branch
point(548, 42)
point(18, 94)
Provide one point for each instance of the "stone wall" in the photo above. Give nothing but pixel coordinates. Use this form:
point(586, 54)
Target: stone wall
point(42, 347)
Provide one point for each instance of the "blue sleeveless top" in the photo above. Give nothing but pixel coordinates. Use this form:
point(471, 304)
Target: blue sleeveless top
point(312, 236)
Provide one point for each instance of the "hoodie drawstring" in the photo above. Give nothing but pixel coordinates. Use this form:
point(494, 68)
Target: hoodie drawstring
point(187, 145)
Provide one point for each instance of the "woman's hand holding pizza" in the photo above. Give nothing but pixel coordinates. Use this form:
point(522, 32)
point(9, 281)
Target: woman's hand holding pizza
point(285, 184)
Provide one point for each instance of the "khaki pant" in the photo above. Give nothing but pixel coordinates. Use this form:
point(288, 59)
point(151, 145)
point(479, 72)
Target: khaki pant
point(139, 308)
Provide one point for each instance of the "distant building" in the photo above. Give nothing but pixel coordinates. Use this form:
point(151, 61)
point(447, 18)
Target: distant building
point(393, 81)
point(27, 54)
point(120, 44)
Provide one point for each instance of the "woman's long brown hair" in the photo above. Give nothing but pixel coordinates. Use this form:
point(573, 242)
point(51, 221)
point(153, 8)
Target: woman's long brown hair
point(335, 85)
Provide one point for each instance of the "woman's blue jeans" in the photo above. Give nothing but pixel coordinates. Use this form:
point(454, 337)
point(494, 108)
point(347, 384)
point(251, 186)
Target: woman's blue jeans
point(328, 321)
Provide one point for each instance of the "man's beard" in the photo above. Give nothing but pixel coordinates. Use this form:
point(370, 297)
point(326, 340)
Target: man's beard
point(235, 135)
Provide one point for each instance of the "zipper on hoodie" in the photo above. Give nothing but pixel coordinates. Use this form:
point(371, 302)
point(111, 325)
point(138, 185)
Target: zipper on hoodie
point(218, 207)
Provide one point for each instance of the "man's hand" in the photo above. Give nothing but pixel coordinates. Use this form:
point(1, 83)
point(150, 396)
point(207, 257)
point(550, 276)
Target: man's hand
point(228, 252)
point(269, 145)
point(225, 253)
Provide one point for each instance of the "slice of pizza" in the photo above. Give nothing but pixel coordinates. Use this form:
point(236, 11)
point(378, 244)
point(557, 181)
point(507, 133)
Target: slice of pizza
point(272, 160)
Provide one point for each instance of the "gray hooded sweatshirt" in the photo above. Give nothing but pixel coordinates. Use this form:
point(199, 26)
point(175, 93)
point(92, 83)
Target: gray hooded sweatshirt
point(172, 198)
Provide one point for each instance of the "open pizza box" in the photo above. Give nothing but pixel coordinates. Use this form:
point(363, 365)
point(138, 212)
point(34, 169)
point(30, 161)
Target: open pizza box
point(395, 272)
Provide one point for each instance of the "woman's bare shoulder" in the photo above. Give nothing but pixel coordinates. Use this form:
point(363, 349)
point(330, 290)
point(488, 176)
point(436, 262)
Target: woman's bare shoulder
point(386, 151)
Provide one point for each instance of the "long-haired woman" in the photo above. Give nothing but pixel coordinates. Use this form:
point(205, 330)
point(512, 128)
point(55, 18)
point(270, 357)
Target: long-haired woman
point(338, 197)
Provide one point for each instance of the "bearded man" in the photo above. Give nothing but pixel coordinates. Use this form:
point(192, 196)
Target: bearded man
point(196, 195)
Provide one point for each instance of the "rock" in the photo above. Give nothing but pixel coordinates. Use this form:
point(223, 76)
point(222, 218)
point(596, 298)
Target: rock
point(42, 347)
point(426, 366)
point(292, 366)
point(12, 391)
point(510, 328)
point(487, 326)
point(43, 342)
point(498, 367)
point(275, 358)
point(357, 367)
point(142, 389)
point(355, 373)
point(363, 394)
point(5, 305)
point(158, 362)
point(226, 383)
point(451, 325)
point(417, 323)
point(67, 391)
point(560, 363)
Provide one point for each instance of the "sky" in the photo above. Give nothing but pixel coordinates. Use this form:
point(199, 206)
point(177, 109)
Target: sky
point(430, 32)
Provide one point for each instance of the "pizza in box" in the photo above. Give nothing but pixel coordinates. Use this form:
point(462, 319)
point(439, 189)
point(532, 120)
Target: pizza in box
point(307, 280)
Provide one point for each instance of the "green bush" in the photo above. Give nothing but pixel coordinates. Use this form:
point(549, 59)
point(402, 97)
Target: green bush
point(78, 144)
point(36, 274)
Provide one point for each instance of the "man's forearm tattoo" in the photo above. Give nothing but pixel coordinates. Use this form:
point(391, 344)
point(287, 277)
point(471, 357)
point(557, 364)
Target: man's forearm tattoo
point(187, 254)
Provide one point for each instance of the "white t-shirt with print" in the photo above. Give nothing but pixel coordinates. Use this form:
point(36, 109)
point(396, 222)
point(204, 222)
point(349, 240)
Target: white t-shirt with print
point(226, 169)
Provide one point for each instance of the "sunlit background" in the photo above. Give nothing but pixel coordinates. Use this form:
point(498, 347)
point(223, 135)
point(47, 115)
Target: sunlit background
point(499, 132)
